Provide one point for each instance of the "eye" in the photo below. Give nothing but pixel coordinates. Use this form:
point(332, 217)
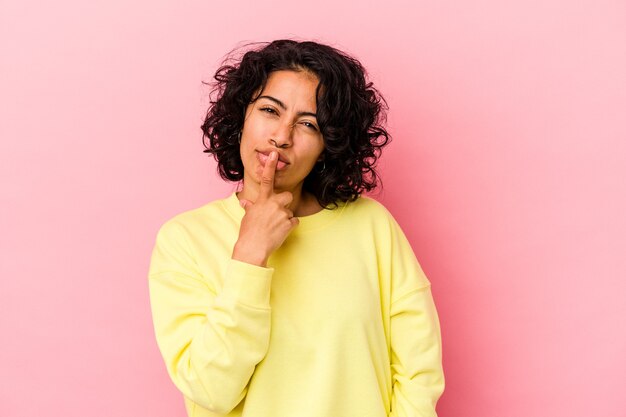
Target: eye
point(309, 125)
point(268, 110)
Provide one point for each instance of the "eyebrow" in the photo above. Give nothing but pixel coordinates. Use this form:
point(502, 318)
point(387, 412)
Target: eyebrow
point(282, 105)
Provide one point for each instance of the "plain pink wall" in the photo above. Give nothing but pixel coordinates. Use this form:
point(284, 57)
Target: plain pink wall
point(507, 172)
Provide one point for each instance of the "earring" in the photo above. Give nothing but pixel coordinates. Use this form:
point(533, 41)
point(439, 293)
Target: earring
point(239, 137)
point(323, 167)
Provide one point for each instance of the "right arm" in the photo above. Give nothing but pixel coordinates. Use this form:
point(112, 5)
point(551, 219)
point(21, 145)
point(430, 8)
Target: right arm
point(212, 340)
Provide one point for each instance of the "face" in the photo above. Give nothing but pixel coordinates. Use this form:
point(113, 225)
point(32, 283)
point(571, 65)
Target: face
point(282, 119)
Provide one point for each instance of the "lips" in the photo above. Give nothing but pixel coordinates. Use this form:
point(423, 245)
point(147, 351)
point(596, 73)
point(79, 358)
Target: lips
point(264, 156)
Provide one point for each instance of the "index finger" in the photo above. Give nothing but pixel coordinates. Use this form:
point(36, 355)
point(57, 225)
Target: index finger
point(267, 177)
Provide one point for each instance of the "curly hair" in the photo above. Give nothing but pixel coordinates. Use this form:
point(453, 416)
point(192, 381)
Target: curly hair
point(351, 115)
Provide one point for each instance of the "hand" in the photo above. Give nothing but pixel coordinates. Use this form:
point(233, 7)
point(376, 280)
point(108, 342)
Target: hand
point(267, 221)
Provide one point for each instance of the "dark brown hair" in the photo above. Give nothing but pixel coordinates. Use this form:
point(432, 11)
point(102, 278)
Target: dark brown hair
point(351, 115)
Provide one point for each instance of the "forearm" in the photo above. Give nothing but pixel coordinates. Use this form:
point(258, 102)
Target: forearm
point(211, 346)
point(418, 379)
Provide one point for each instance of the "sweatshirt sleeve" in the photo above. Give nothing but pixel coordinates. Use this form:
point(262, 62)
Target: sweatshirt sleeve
point(211, 340)
point(416, 352)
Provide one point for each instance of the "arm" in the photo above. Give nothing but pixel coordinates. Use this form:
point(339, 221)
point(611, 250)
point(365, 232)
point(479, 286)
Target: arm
point(416, 353)
point(210, 340)
point(416, 366)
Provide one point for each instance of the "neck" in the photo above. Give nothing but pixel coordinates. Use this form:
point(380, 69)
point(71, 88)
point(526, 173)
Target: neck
point(303, 203)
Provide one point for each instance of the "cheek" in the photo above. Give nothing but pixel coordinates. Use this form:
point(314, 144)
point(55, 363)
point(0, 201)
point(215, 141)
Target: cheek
point(311, 159)
point(252, 128)
point(247, 153)
point(319, 151)
point(248, 143)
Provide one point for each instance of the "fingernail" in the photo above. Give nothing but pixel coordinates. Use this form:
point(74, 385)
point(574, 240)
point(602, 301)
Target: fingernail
point(273, 155)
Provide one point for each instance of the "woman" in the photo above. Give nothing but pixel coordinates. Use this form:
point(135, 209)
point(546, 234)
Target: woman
point(295, 296)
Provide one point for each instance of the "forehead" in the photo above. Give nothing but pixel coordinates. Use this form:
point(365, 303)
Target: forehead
point(299, 85)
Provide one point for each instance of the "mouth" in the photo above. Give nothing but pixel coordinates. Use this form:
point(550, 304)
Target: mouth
point(263, 157)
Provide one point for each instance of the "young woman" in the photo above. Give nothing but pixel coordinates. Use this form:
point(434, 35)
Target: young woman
point(295, 296)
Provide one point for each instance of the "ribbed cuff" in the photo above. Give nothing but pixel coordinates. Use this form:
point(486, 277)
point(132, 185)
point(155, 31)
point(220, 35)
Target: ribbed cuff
point(248, 284)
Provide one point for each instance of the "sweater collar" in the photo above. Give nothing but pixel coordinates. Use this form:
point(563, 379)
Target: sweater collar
point(308, 223)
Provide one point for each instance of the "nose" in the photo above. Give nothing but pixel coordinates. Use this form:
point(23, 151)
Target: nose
point(281, 137)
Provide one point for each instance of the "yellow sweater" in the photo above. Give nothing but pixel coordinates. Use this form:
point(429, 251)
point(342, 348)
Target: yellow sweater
point(341, 323)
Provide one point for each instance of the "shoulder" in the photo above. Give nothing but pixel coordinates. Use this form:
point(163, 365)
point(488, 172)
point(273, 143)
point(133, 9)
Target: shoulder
point(214, 212)
point(367, 205)
point(368, 208)
point(370, 211)
point(368, 214)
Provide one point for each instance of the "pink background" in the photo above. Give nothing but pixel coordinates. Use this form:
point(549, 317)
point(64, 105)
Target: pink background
point(507, 172)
